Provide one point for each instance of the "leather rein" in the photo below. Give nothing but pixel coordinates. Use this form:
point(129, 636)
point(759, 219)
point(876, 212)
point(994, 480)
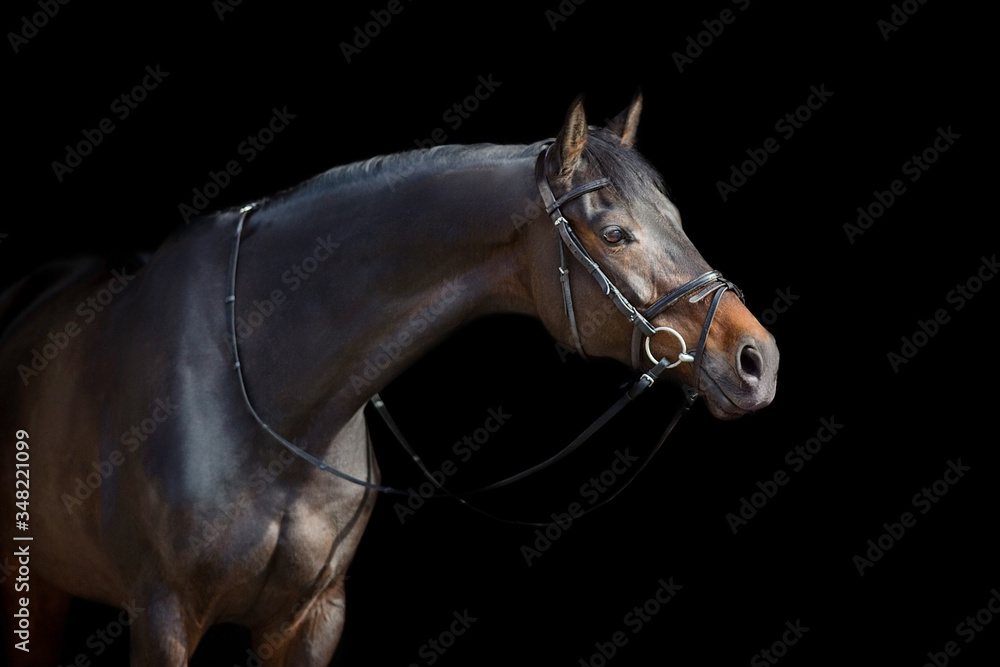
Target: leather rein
point(694, 290)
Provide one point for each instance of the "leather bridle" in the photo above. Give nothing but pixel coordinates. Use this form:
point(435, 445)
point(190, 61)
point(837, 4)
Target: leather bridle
point(710, 282)
point(700, 287)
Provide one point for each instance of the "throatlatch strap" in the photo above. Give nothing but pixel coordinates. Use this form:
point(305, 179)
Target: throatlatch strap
point(568, 302)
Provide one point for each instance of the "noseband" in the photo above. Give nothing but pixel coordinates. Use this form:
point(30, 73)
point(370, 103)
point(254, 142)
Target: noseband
point(700, 287)
point(710, 282)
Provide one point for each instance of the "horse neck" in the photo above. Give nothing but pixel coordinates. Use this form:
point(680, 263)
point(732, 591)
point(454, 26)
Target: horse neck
point(393, 272)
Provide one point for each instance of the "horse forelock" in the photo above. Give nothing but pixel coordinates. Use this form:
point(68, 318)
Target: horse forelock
point(632, 176)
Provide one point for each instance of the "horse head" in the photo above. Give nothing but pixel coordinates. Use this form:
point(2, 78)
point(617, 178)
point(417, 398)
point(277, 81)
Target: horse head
point(611, 213)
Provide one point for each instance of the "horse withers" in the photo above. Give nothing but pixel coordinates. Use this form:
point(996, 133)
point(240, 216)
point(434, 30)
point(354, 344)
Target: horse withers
point(163, 478)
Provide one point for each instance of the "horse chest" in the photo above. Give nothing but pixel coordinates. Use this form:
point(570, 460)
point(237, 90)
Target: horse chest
point(305, 549)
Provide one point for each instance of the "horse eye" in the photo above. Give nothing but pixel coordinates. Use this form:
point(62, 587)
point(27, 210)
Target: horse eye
point(613, 235)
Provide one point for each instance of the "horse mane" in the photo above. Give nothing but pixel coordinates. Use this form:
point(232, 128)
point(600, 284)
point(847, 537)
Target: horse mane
point(382, 171)
point(631, 175)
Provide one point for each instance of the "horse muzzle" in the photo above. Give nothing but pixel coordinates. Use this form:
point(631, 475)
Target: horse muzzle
point(741, 378)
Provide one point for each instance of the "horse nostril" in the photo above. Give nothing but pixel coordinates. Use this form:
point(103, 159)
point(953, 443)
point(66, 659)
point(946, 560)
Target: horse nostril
point(751, 364)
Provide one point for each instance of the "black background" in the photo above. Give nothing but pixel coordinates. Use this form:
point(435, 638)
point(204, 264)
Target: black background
point(782, 230)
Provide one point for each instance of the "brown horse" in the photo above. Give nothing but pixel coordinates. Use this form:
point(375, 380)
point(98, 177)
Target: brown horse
point(154, 488)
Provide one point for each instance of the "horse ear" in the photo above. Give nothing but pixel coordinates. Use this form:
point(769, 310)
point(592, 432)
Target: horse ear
point(571, 138)
point(626, 123)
